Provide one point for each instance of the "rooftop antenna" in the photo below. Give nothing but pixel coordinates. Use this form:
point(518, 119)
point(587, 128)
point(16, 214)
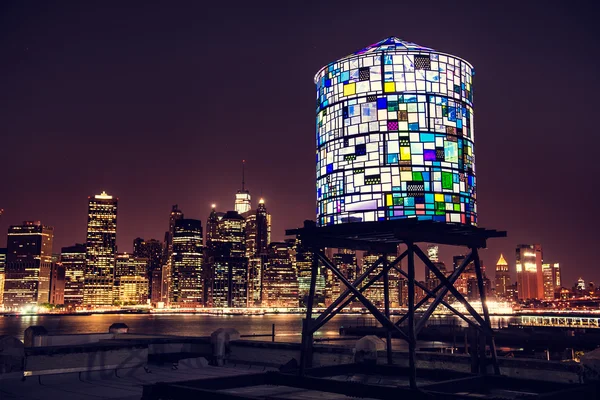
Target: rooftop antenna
point(243, 175)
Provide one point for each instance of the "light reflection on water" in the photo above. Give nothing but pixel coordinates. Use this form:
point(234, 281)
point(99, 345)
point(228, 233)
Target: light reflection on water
point(288, 327)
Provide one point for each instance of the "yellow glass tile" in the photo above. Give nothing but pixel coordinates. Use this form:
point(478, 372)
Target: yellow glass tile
point(439, 197)
point(389, 87)
point(405, 153)
point(389, 200)
point(349, 89)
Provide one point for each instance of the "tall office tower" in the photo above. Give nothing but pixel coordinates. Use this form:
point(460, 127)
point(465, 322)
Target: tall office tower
point(2, 259)
point(530, 282)
point(101, 248)
point(473, 288)
point(28, 265)
point(2, 273)
point(433, 252)
point(552, 280)
point(127, 264)
point(502, 278)
point(431, 281)
point(243, 202)
point(166, 274)
point(57, 284)
point(580, 284)
point(176, 214)
point(187, 283)
point(153, 251)
point(511, 292)
point(73, 260)
point(211, 245)
point(403, 291)
point(257, 242)
point(213, 237)
point(280, 285)
point(227, 267)
point(132, 290)
point(467, 280)
point(257, 230)
point(375, 292)
point(303, 260)
point(556, 276)
point(345, 261)
point(552, 283)
point(131, 279)
point(156, 297)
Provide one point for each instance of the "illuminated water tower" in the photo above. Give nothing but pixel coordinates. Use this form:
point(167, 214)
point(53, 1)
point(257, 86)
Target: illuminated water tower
point(396, 168)
point(394, 136)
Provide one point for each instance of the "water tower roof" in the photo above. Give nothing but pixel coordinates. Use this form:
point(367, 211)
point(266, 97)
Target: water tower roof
point(390, 44)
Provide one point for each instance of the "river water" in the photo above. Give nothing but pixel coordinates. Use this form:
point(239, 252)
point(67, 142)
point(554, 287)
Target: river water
point(288, 327)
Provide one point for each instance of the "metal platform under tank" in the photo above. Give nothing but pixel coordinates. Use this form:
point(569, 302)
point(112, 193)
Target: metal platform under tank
point(385, 237)
point(366, 381)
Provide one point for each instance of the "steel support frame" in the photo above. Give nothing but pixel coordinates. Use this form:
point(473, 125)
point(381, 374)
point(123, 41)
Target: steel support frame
point(438, 293)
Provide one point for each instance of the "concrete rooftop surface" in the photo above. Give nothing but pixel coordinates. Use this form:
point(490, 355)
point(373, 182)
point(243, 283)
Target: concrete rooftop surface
point(125, 384)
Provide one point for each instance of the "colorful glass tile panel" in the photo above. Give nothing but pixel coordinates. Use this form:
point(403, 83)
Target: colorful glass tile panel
point(394, 136)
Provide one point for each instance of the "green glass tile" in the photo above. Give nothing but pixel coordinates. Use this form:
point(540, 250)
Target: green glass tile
point(446, 180)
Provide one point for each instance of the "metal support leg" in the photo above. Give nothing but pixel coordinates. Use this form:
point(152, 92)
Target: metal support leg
point(307, 336)
point(486, 313)
point(386, 299)
point(412, 340)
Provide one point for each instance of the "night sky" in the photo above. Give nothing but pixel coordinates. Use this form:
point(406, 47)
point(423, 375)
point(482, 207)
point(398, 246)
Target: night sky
point(158, 102)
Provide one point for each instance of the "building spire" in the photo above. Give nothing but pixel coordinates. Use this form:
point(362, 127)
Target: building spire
point(501, 260)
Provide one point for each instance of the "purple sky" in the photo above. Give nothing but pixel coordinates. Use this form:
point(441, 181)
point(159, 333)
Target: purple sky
point(158, 103)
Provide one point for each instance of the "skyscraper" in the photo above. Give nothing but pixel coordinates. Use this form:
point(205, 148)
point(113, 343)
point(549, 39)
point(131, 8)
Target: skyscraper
point(2, 272)
point(101, 248)
point(280, 285)
point(431, 280)
point(57, 284)
point(227, 267)
point(152, 250)
point(556, 275)
point(303, 260)
point(530, 282)
point(243, 202)
point(127, 264)
point(466, 283)
point(502, 278)
point(176, 214)
point(258, 223)
point(73, 260)
point(345, 261)
point(375, 292)
point(2, 259)
point(28, 264)
point(166, 272)
point(187, 260)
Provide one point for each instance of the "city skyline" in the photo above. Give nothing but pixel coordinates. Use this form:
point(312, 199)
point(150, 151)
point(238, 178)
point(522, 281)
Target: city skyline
point(447, 255)
point(145, 126)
